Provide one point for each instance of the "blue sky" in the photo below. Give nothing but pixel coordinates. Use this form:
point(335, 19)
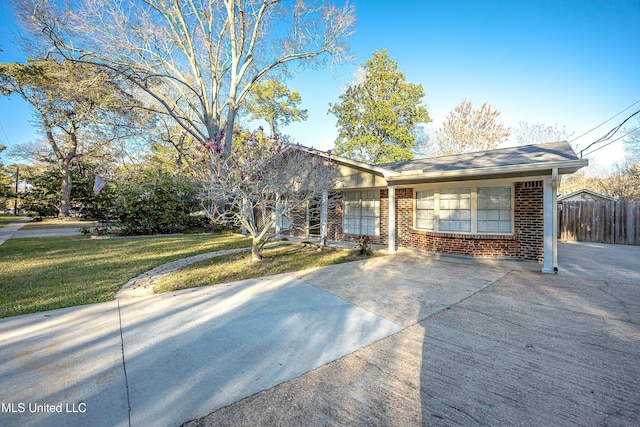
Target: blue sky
point(574, 63)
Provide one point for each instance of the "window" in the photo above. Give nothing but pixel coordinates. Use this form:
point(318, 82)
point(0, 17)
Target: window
point(424, 209)
point(361, 213)
point(494, 210)
point(455, 210)
point(465, 210)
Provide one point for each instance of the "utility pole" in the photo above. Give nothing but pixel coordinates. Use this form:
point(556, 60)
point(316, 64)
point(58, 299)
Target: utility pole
point(15, 206)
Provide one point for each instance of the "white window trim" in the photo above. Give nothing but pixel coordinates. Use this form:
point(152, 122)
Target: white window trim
point(473, 186)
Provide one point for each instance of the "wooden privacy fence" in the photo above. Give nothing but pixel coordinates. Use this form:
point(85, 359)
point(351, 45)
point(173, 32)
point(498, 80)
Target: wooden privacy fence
point(603, 221)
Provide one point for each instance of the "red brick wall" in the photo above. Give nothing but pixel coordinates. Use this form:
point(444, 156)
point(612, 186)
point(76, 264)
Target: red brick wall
point(529, 220)
point(334, 221)
point(527, 242)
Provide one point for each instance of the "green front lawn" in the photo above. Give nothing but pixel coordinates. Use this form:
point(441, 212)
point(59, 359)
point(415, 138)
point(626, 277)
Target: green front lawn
point(281, 259)
point(56, 272)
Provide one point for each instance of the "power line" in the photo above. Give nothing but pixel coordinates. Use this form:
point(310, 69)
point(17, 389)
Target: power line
point(609, 134)
point(609, 119)
point(611, 142)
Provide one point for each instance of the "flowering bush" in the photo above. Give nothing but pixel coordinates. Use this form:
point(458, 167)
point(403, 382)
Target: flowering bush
point(263, 175)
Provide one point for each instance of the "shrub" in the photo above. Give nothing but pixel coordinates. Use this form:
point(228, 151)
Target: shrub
point(363, 245)
point(155, 202)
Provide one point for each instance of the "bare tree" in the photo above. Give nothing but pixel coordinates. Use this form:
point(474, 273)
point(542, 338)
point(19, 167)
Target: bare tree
point(540, 133)
point(196, 60)
point(265, 181)
point(623, 182)
point(632, 143)
point(468, 129)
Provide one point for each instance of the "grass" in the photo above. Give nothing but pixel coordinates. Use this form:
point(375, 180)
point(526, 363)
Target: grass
point(276, 260)
point(49, 223)
point(49, 273)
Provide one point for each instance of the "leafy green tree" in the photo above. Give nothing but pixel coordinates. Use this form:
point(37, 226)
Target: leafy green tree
point(276, 104)
point(378, 113)
point(5, 178)
point(43, 190)
point(43, 196)
point(77, 105)
point(469, 129)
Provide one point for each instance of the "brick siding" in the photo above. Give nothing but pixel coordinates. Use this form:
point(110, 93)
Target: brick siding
point(527, 242)
point(529, 220)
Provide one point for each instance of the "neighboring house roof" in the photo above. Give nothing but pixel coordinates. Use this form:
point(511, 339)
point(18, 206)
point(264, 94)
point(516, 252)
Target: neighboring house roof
point(578, 195)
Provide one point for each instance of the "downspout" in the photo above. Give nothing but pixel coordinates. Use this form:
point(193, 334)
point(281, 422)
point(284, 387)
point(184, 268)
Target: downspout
point(550, 216)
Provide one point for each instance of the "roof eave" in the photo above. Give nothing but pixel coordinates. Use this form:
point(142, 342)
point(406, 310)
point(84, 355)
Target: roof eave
point(354, 163)
point(564, 167)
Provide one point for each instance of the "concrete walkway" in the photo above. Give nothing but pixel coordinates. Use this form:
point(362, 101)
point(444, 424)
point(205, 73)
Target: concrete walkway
point(9, 230)
point(46, 232)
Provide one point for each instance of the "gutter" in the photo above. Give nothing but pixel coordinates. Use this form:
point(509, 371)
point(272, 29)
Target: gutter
point(562, 167)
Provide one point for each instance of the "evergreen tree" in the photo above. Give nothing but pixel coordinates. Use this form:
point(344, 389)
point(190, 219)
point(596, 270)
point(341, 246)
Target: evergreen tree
point(276, 104)
point(378, 113)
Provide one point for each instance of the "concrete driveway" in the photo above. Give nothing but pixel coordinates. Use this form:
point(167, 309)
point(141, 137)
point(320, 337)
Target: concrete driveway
point(405, 340)
point(521, 349)
point(166, 359)
point(597, 261)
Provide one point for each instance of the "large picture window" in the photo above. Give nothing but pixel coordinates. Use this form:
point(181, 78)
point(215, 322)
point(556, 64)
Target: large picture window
point(361, 213)
point(484, 210)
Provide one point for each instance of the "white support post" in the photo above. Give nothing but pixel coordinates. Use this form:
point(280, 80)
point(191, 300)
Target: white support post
point(554, 202)
point(392, 220)
point(323, 217)
point(279, 219)
point(548, 208)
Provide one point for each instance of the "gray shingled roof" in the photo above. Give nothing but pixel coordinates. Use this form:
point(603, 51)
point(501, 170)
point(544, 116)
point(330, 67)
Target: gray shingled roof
point(504, 157)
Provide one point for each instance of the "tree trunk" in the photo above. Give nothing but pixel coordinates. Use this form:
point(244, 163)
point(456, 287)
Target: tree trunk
point(65, 194)
point(228, 136)
point(255, 250)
